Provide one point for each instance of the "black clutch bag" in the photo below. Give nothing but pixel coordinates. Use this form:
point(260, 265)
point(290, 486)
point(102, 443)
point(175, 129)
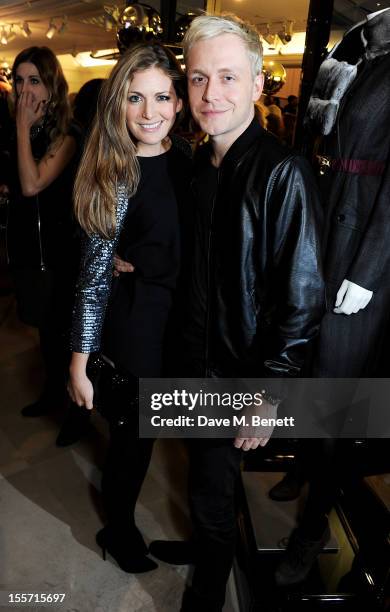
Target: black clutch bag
point(115, 391)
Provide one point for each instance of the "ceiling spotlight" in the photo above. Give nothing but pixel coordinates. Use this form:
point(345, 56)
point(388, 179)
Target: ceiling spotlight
point(273, 41)
point(52, 29)
point(287, 33)
point(110, 20)
point(63, 27)
point(3, 37)
point(270, 39)
point(25, 29)
point(11, 35)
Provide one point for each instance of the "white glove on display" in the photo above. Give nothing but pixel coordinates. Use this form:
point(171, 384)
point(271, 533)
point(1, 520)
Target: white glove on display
point(351, 298)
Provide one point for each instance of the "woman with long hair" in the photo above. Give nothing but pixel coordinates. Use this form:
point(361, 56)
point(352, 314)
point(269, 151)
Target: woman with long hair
point(128, 193)
point(39, 178)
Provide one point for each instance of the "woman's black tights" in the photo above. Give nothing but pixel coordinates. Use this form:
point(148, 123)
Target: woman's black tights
point(124, 472)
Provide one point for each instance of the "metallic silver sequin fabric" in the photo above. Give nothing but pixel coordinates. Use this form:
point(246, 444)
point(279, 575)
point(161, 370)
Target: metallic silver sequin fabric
point(94, 284)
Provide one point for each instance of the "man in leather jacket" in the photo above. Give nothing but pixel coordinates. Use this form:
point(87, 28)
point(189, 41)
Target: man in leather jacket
point(256, 290)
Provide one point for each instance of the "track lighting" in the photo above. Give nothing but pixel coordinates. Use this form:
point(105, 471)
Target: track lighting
point(25, 29)
point(63, 27)
point(109, 22)
point(287, 33)
point(8, 32)
point(110, 18)
point(3, 36)
point(57, 29)
point(11, 35)
point(276, 39)
point(52, 29)
point(270, 39)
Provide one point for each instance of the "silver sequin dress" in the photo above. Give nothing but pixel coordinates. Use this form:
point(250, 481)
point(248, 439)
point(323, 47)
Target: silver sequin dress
point(94, 283)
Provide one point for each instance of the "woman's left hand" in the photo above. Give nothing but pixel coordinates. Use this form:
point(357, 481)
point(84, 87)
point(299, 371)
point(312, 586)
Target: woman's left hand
point(28, 110)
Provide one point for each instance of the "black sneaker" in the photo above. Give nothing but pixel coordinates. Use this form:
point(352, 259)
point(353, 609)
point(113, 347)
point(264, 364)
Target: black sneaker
point(176, 552)
point(299, 558)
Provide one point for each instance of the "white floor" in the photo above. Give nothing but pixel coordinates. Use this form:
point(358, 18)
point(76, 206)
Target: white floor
point(50, 504)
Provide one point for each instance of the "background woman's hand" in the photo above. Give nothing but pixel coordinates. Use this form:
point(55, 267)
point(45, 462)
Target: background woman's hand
point(29, 110)
point(80, 390)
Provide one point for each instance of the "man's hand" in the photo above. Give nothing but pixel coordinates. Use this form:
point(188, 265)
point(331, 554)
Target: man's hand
point(120, 265)
point(250, 443)
point(351, 298)
point(249, 437)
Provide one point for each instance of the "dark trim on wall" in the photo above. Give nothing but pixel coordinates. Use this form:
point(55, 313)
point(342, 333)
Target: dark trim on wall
point(168, 18)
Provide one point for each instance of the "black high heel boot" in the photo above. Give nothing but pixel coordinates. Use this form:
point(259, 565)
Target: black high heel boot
point(129, 552)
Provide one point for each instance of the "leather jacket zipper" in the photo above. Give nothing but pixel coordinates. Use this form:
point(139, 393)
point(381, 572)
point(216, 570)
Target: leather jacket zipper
point(207, 329)
point(275, 174)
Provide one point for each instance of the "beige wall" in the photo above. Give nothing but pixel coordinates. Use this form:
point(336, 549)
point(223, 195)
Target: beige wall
point(76, 75)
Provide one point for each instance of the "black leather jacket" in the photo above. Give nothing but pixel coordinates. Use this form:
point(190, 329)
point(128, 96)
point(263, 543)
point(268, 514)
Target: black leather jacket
point(265, 286)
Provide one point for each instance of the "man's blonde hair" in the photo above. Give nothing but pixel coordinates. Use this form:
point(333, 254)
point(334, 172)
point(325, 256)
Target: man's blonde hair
point(209, 26)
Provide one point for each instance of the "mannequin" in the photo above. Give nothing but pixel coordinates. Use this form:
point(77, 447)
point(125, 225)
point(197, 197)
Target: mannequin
point(349, 108)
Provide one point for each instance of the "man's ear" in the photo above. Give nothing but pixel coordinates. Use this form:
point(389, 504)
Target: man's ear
point(258, 86)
